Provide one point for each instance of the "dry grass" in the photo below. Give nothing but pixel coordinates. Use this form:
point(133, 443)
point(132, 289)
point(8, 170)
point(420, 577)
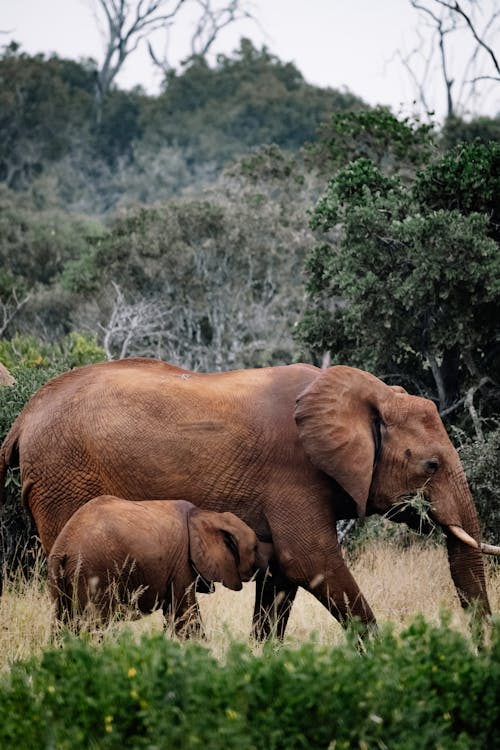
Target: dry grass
point(398, 583)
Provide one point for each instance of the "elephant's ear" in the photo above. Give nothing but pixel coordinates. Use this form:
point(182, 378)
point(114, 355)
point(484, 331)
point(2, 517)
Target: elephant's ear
point(338, 417)
point(214, 547)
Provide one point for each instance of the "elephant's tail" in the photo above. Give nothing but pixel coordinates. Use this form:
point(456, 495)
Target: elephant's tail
point(9, 455)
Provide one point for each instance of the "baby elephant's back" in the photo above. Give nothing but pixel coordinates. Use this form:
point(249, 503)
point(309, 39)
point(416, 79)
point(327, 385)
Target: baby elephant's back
point(112, 547)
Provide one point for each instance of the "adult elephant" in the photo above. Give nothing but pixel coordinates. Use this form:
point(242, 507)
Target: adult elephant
point(290, 450)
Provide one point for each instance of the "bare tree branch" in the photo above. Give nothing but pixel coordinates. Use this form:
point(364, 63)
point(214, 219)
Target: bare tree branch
point(441, 34)
point(126, 25)
point(133, 327)
point(484, 78)
point(419, 84)
point(10, 308)
point(210, 22)
point(445, 19)
point(457, 8)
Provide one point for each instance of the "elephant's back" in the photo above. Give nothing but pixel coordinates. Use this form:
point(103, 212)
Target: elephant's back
point(110, 536)
point(143, 428)
point(111, 397)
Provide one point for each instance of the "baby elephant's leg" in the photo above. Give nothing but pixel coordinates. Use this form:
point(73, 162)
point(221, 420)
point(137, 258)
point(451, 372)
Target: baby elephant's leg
point(180, 608)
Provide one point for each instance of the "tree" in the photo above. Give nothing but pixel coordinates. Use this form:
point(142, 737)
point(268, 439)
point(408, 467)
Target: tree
point(393, 144)
point(137, 328)
point(410, 287)
point(455, 43)
point(479, 129)
point(247, 99)
point(127, 23)
point(10, 305)
point(212, 283)
point(45, 105)
point(207, 27)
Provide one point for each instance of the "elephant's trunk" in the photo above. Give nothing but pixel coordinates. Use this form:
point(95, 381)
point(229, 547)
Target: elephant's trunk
point(461, 525)
point(467, 572)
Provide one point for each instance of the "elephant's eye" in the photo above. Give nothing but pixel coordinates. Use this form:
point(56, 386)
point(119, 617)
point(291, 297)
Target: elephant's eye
point(432, 465)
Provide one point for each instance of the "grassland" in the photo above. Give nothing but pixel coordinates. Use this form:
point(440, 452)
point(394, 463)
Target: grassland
point(399, 582)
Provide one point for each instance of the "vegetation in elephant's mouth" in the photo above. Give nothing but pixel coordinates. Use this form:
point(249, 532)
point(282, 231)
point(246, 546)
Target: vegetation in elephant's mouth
point(418, 507)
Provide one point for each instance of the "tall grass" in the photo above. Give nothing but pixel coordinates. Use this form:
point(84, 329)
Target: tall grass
point(398, 582)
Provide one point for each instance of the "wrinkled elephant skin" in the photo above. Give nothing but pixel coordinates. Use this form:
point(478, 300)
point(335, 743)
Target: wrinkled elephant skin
point(279, 447)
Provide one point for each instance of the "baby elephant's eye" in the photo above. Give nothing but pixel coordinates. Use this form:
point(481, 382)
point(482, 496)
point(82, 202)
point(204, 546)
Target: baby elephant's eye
point(432, 465)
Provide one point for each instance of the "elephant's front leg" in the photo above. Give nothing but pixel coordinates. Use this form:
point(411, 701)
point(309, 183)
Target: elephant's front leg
point(313, 560)
point(274, 595)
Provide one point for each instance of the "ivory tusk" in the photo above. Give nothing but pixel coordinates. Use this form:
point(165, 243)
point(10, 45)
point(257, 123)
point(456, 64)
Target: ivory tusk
point(490, 549)
point(487, 549)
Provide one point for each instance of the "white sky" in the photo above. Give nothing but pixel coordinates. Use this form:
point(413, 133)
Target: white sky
point(337, 43)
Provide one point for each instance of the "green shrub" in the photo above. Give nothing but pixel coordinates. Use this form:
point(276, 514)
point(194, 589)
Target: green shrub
point(32, 363)
point(481, 464)
point(423, 689)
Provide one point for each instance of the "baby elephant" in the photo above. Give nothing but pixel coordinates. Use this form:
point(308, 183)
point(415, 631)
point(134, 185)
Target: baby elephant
point(111, 548)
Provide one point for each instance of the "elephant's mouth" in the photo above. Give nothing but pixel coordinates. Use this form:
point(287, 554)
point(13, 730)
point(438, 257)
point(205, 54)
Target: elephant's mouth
point(415, 511)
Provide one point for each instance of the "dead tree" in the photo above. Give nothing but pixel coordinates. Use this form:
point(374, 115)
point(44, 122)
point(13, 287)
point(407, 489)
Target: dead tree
point(10, 308)
point(126, 23)
point(465, 27)
point(210, 21)
point(133, 329)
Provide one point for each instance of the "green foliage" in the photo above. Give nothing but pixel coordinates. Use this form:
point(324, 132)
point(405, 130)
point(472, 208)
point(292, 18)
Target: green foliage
point(248, 99)
point(132, 146)
point(425, 688)
point(357, 185)
point(44, 105)
point(119, 125)
point(466, 179)
point(269, 163)
point(74, 350)
point(407, 283)
point(32, 363)
point(483, 129)
point(480, 460)
point(37, 239)
point(212, 283)
point(394, 145)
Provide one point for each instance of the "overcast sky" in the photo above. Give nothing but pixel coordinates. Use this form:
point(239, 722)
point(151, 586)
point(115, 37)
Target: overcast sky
point(337, 43)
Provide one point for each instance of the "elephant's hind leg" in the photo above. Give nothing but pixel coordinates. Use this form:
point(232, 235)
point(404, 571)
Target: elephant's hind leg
point(274, 596)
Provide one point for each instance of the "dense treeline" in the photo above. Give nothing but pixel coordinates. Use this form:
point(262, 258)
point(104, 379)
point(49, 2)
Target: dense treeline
point(243, 217)
point(203, 117)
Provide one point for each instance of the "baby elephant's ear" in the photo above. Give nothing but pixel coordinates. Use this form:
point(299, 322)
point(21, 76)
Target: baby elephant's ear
point(214, 547)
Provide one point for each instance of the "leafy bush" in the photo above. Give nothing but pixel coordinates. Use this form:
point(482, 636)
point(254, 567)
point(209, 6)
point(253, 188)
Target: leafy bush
point(480, 461)
point(408, 286)
point(205, 284)
point(425, 689)
point(32, 363)
point(74, 350)
point(376, 135)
